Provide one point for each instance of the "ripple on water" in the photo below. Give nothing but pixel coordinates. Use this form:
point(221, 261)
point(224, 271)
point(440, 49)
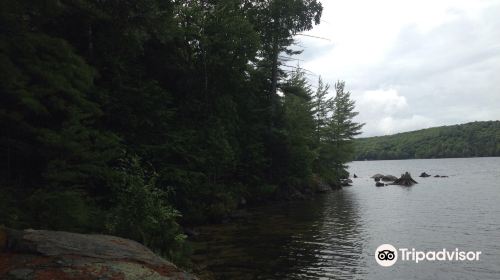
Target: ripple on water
point(335, 235)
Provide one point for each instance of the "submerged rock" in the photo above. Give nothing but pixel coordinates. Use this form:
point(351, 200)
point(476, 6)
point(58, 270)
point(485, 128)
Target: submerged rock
point(42, 254)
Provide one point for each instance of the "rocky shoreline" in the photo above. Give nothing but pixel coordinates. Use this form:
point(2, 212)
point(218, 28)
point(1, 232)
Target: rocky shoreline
point(41, 254)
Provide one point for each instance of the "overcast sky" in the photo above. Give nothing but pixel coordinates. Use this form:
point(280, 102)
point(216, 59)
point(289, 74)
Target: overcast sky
point(410, 64)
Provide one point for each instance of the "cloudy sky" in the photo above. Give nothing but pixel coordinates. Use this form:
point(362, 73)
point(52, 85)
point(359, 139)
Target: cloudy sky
point(410, 64)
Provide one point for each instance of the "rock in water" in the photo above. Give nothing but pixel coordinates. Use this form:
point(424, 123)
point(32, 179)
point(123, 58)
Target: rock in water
point(42, 254)
point(389, 178)
point(346, 182)
point(378, 175)
point(379, 184)
point(424, 175)
point(405, 180)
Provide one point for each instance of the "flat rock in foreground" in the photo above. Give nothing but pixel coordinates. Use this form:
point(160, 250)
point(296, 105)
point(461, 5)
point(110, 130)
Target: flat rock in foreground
point(41, 254)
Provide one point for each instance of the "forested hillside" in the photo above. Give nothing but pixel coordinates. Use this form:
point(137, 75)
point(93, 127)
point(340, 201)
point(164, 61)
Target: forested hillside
point(476, 139)
point(132, 117)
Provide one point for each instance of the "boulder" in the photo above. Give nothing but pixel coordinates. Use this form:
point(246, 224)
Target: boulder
point(389, 178)
point(355, 176)
point(377, 179)
point(319, 185)
point(345, 182)
point(42, 254)
point(378, 175)
point(379, 184)
point(405, 180)
point(423, 175)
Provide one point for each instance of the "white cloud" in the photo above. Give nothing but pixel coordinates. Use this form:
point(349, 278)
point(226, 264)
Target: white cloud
point(389, 125)
point(386, 112)
point(381, 101)
point(411, 64)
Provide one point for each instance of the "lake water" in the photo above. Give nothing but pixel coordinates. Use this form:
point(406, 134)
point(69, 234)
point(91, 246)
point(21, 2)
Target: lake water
point(335, 235)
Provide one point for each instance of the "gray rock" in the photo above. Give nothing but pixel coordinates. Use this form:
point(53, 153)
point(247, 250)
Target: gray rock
point(22, 273)
point(37, 254)
point(378, 175)
point(389, 178)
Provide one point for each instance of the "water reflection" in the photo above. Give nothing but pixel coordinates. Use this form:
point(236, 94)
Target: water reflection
point(335, 235)
point(299, 240)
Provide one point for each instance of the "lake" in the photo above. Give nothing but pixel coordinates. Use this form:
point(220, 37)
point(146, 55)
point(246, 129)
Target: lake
point(335, 235)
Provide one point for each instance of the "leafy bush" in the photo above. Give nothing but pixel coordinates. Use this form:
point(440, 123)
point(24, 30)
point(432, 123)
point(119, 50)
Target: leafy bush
point(140, 212)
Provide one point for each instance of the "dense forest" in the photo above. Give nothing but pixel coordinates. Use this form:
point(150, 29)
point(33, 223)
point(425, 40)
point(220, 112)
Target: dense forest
point(476, 139)
point(135, 118)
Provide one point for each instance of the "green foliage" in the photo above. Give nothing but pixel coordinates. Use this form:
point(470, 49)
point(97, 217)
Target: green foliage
point(67, 210)
point(140, 212)
point(476, 139)
point(190, 88)
point(335, 131)
point(298, 130)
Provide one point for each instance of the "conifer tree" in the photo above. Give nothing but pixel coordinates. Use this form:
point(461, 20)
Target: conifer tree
point(342, 128)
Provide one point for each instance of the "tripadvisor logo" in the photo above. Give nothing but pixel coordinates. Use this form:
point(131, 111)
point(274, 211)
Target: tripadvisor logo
point(387, 255)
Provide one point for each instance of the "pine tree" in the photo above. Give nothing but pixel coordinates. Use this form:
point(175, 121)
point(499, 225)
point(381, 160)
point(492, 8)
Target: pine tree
point(49, 138)
point(342, 128)
point(321, 106)
point(298, 129)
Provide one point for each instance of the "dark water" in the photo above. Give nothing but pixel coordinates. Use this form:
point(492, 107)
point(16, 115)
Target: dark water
point(335, 235)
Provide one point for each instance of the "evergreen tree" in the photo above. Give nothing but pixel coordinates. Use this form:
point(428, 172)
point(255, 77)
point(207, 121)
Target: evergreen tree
point(143, 114)
point(298, 130)
point(49, 138)
point(321, 109)
point(342, 129)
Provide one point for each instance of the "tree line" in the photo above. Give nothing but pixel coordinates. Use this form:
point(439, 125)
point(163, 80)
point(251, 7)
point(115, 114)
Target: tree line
point(132, 117)
point(475, 139)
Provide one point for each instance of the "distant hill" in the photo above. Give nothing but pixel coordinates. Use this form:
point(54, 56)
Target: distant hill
point(475, 139)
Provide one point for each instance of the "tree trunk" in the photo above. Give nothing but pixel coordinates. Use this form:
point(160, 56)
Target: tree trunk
point(405, 180)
